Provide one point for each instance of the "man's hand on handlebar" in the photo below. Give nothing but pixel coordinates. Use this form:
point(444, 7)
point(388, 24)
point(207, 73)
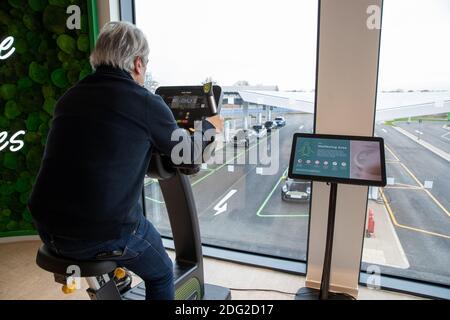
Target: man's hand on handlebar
point(217, 121)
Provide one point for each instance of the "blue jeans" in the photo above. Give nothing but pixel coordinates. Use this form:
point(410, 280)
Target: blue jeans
point(141, 252)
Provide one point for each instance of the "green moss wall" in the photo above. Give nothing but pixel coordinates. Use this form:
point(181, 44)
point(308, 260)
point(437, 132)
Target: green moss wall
point(48, 59)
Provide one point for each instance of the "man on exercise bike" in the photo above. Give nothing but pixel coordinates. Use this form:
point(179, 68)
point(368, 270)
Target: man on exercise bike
point(85, 202)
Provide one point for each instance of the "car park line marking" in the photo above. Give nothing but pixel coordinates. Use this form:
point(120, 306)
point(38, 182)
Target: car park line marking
point(384, 130)
point(405, 187)
point(437, 202)
point(426, 191)
point(444, 136)
point(393, 154)
point(412, 175)
point(212, 171)
point(231, 160)
point(395, 222)
point(235, 185)
point(392, 161)
point(258, 213)
point(218, 168)
point(263, 205)
point(152, 181)
point(154, 200)
point(282, 215)
point(421, 185)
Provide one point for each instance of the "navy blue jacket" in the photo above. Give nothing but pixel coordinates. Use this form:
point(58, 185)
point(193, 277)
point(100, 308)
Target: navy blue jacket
point(97, 153)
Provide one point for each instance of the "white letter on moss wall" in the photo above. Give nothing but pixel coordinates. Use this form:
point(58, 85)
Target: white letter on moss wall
point(6, 45)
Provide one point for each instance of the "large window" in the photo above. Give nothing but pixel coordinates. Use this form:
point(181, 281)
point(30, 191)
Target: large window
point(408, 225)
point(263, 54)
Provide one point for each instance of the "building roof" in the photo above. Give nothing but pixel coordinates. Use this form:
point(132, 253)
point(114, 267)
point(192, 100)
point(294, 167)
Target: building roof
point(232, 89)
point(390, 105)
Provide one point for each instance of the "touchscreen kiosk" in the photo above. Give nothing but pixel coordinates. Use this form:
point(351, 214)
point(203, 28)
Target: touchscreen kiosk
point(335, 159)
point(340, 159)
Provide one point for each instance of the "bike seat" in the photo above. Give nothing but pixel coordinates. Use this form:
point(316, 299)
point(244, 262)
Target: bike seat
point(51, 262)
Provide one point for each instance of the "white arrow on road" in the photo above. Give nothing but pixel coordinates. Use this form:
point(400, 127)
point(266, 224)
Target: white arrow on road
point(221, 207)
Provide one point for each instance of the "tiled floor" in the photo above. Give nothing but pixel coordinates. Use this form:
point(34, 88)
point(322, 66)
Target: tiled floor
point(20, 278)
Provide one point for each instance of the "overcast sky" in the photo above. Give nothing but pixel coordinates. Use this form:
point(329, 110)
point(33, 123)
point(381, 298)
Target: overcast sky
point(274, 42)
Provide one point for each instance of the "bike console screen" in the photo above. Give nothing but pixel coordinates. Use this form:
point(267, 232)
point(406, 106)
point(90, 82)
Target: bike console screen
point(191, 103)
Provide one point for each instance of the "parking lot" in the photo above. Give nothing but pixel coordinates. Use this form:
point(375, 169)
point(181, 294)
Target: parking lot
point(256, 219)
point(240, 207)
point(420, 215)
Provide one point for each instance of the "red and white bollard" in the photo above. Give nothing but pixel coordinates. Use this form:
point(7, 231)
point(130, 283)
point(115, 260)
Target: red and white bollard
point(370, 231)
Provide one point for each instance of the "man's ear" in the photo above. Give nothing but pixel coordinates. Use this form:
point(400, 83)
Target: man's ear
point(138, 66)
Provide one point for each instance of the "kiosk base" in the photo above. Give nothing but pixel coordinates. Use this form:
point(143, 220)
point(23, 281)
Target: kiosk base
point(314, 294)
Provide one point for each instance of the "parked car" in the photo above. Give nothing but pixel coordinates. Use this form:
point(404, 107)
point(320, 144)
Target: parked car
point(296, 190)
point(243, 137)
point(260, 130)
point(270, 125)
point(280, 121)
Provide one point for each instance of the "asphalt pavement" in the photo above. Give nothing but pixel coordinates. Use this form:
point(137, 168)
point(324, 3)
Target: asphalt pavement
point(240, 208)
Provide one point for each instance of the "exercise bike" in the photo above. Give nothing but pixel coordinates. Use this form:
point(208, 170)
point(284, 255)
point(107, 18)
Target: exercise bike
point(188, 104)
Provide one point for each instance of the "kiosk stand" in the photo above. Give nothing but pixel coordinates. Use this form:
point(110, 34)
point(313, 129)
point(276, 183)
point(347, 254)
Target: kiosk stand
point(335, 159)
point(324, 293)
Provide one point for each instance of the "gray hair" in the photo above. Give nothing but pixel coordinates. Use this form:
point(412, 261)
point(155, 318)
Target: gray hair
point(118, 45)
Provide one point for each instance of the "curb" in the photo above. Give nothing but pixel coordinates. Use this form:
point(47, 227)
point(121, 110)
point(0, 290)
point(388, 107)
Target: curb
point(441, 153)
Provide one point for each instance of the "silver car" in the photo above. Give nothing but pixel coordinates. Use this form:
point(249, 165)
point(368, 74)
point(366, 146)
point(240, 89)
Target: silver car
point(296, 190)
